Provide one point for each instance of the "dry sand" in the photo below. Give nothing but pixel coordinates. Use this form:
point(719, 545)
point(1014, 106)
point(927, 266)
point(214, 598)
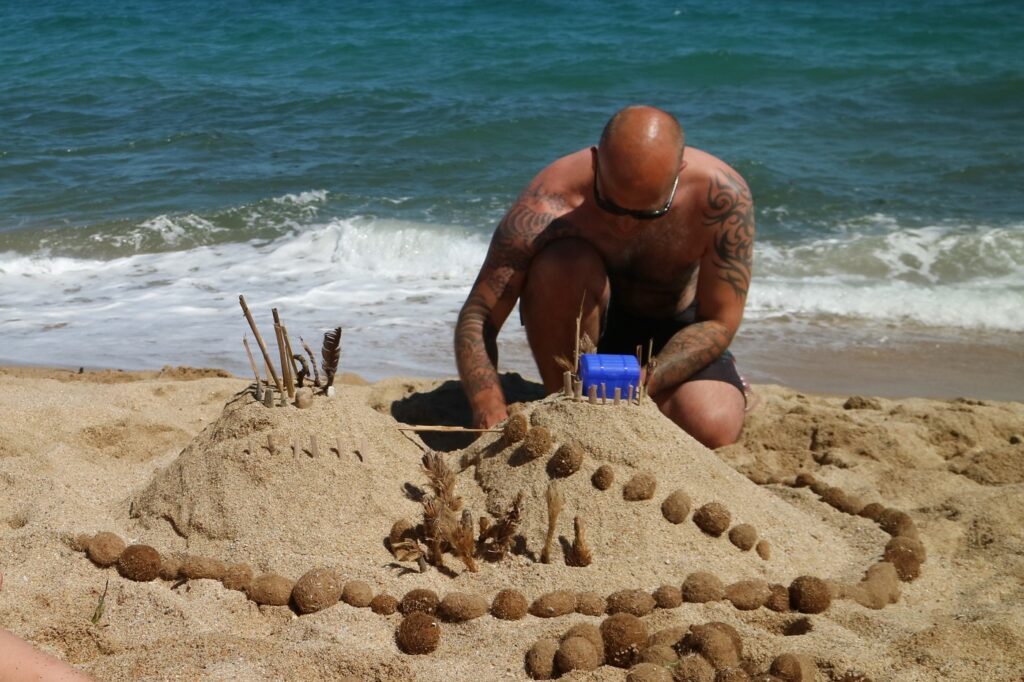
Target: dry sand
point(179, 460)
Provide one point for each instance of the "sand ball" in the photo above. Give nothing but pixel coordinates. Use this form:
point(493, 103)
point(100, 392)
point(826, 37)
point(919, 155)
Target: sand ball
point(764, 550)
point(198, 567)
point(418, 633)
point(459, 607)
point(357, 593)
point(540, 659)
point(676, 506)
point(778, 600)
point(317, 589)
point(693, 668)
point(590, 604)
point(648, 672)
point(808, 594)
point(701, 587)
point(566, 461)
point(794, 668)
point(105, 548)
point(79, 542)
point(537, 442)
point(715, 645)
point(637, 602)
point(603, 477)
point(669, 636)
point(747, 595)
point(577, 653)
point(804, 480)
point(885, 578)
point(835, 498)
point(553, 604)
point(170, 568)
point(624, 635)
point(304, 398)
point(237, 577)
point(905, 554)
point(515, 428)
point(422, 600)
point(587, 631)
point(896, 522)
point(384, 604)
point(270, 589)
point(712, 518)
point(732, 675)
point(640, 487)
point(402, 529)
point(668, 597)
point(872, 511)
point(661, 654)
point(509, 605)
point(730, 632)
point(744, 536)
point(140, 563)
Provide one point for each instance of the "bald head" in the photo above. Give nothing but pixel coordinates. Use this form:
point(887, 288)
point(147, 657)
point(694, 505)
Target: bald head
point(640, 153)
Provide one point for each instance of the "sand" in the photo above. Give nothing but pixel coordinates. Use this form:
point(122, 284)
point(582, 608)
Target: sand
point(179, 460)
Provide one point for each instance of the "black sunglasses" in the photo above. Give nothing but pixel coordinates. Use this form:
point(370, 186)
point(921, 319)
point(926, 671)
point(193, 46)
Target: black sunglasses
point(610, 206)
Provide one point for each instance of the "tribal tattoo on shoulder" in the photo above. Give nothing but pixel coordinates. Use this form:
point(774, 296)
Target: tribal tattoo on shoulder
point(730, 214)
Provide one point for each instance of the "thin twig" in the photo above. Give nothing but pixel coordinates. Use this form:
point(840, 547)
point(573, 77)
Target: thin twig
point(259, 341)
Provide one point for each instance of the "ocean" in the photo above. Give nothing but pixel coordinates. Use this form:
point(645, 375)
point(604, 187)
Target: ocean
point(347, 162)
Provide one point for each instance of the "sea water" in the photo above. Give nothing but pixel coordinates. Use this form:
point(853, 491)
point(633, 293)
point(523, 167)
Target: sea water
point(347, 163)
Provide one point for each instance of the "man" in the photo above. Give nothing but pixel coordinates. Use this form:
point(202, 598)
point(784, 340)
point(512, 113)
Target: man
point(656, 240)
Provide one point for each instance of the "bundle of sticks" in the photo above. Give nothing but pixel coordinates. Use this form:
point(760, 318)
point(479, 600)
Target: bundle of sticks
point(294, 368)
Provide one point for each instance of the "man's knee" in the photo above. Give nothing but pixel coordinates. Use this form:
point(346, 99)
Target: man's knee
point(565, 264)
point(710, 411)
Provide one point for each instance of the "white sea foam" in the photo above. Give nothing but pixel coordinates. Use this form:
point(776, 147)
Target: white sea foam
point(397, 286)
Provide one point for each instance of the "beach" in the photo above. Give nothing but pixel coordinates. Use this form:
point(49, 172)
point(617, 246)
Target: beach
point(173, 459)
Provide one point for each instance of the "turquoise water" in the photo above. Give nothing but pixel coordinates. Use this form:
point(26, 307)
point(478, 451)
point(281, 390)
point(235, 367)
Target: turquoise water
point(348, 161)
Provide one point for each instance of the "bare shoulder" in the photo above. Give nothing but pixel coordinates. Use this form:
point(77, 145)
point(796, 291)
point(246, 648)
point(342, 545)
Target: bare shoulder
point(559, 187)
point(714, 180)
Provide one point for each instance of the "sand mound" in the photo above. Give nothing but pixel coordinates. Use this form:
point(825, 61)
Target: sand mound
point(635, 440)
point(233, 498)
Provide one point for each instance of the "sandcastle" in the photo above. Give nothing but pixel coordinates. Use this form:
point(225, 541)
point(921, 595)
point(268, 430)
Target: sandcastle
point(568, 486)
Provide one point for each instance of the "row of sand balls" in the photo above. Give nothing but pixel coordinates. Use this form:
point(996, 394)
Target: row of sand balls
point(537, 442)
point(712, 518)
point(904, 551)
point(709, 652)
point(320, 588)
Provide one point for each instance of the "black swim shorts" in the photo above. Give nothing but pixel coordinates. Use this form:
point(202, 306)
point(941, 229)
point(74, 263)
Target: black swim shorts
point(622, 332)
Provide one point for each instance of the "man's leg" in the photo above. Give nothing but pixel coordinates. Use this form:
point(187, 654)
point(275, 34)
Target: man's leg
point(558, 279)
point(709, 410)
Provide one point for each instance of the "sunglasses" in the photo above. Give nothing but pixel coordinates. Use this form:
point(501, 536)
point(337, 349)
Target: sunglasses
point(610, 206)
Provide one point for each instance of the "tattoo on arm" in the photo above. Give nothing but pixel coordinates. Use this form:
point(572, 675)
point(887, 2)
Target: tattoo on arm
point(515, 241)
point(475, 347)
point(689, 351)
point(730, 214)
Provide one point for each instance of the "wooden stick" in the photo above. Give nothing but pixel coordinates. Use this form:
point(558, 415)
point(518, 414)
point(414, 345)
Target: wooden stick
point(295, 449)
point(592, 394)
point(567, 384)
point(447, 429)
point(268, 397)
point(629, 395)
point(579, 321)
point(252, 360)
point(286, 365)
point(314, 447)
point(618, 395)
point(604, 394)
point(577, 390)
point(293, 365)
point(259, 342)
point(312, 359)
point(270, 444)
